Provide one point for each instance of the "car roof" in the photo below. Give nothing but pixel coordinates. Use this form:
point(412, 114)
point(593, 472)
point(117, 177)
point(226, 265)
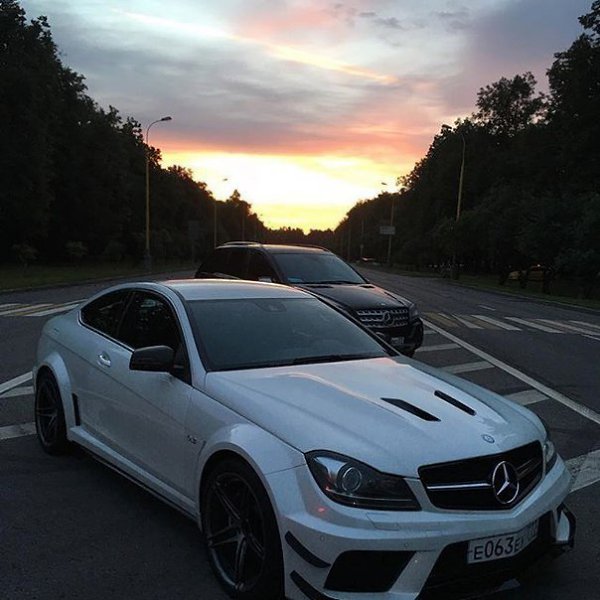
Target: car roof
point(278, 248)
point(229, 289)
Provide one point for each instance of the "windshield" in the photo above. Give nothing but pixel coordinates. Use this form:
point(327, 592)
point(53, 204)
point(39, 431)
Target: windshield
point(252, 333)
point(308, 267)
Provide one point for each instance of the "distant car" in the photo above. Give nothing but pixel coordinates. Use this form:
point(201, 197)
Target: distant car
point(319, 462)
point(324, 274)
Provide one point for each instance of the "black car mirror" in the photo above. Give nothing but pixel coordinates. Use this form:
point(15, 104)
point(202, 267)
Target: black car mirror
point(158, 359)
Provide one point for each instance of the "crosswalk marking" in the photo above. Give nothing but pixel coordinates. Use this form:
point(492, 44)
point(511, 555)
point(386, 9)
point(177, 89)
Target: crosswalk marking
point(468, 367)
point(438, 347)
point(468, 324)
point(24, 309)
point(496, 322)
point(533, 325)
point(52, 311)
point(15, 382)
point(26, 390)
point(14, 431)
point(527, 397)
point(568, 328)
point(587, 325)
point(440, 318)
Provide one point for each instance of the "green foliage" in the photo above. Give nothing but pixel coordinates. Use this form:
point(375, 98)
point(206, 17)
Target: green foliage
point(76, 250)
point(532, 175)
point(24, 253)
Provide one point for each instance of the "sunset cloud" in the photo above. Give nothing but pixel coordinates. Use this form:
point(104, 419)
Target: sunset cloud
point(303, 104)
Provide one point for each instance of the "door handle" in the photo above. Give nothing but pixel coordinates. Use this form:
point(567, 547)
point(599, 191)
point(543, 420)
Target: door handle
point(104, 359)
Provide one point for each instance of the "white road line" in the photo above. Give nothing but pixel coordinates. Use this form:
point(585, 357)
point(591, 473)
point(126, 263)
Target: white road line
point(568, 328)
point(9, 305)
point(14, 431)
point(18, 391)
point(591, 337)
point(428, 332)
point(486, 307)
point(468, 367)
point(496, 322)
point(533, 325)
point(24, 309)
point(16, 382)
point(51, 311)
point(580, 409)
point(527, 397)
point(438, 347)
point(467, 323)
point(586, 325)
point(585, 469)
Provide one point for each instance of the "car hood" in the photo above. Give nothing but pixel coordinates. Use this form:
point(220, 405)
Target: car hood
point(362, 296)
point(348, 407)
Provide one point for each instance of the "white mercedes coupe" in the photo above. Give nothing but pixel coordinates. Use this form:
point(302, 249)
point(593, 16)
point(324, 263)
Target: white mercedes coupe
point(319, 463)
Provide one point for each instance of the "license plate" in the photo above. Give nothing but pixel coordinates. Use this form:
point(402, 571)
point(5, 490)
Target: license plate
point(397, 341)
point(502, 546)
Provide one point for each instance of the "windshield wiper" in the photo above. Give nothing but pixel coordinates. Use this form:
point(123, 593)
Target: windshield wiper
point(304, 360)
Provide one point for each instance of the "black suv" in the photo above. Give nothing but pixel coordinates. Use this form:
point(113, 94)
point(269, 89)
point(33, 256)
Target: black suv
point(324, 274)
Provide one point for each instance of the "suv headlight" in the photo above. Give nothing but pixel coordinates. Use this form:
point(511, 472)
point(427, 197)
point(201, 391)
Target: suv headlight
point(353, 483)
point(413, 313)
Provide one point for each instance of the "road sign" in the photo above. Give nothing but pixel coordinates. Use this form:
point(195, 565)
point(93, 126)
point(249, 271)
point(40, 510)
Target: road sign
point(387, 229)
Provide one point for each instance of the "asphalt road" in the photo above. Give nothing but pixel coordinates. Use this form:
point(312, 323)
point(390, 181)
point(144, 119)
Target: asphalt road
point(71, 528)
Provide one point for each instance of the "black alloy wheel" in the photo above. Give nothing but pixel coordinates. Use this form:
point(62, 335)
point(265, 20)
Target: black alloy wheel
point(49, 416)
point(241, 533)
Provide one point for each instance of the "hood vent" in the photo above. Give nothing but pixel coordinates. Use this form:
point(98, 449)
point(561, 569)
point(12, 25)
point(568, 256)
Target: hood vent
point(457, 403)
point(413, 410)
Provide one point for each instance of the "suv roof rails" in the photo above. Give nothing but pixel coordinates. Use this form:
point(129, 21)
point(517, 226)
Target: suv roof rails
point(241, 244)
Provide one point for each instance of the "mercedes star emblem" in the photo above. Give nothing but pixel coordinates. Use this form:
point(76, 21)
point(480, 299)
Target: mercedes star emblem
point(505, 483)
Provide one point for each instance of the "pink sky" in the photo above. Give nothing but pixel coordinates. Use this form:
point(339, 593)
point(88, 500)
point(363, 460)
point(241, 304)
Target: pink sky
point(304, 106)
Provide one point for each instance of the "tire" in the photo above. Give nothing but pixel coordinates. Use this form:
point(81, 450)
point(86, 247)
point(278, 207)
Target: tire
point(50, 423)
point(241, 534)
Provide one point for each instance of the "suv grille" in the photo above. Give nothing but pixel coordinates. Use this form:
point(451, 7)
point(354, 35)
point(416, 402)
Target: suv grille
point(469, 484)
point(383, 317)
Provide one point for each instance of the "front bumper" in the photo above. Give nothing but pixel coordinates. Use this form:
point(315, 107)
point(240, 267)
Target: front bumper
point(337, 552)
point(411, 336)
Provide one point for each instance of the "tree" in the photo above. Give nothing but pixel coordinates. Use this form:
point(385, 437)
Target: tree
point(509, 105)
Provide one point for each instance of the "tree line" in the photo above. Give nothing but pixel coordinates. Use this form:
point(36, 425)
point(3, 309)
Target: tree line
point(73, 174)
point(531, 193)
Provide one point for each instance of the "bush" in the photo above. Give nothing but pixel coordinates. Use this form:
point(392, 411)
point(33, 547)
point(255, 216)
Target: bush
point(76, 250)
point(114, 251)
point(24, 253)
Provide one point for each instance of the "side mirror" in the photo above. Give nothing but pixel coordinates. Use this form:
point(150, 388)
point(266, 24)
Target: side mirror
point(158, 359)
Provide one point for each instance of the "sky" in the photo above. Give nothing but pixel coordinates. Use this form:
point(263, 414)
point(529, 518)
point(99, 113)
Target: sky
point(304, 106)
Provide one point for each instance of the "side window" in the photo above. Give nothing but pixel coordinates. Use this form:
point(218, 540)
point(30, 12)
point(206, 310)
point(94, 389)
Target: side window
point(105, 312)
point(149, 321)
point(216, 262)
point(236, 265)
point(259, 267)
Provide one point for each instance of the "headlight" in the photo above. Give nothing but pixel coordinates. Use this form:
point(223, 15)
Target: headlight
point(413, 313)
point(549, 450)
point(549, 454)
point(350, 482)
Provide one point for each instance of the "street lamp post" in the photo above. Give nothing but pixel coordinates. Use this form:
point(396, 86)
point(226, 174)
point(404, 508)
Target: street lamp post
point(390, 236)
point(147, 254)
point(455, 263)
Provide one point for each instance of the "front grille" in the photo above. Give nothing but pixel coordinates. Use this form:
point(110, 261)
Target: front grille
point(367, 571)
point(383, 318)
point(452, 577)
point(467, 484)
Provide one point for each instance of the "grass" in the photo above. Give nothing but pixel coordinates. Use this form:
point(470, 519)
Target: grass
point(16, 277)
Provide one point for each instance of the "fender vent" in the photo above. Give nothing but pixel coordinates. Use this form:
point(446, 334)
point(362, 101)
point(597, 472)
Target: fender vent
point(76, 410)
point(413, 410)
point(457, 403)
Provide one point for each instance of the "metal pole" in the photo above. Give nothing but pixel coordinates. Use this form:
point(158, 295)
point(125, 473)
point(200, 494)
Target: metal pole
point(455, 263)
point(147, 254)
point(389, 256)
point(215, 225)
